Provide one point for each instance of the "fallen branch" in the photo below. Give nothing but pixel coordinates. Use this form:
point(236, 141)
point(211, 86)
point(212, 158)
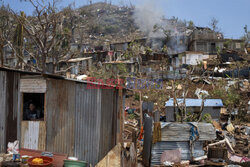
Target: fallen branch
point(221, 142)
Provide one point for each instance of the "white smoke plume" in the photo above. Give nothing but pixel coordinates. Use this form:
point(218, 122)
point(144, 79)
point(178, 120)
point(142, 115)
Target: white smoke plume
point(147, 15)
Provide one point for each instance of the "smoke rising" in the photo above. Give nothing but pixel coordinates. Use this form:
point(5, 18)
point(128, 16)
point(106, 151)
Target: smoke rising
point(150, 19)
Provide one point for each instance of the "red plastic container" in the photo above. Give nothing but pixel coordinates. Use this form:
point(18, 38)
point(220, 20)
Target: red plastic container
point(47, 162)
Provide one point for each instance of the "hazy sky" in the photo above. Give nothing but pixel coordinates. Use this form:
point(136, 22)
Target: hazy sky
point(232, 14)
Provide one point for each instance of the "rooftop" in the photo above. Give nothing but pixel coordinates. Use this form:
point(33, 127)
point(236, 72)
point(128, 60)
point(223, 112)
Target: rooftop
point(196, 102)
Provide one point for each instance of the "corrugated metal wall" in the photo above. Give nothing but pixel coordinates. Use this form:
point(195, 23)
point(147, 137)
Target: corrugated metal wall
point(60, 114)
point(88, 118)
point(2, 111)
point(12, 105)
point(9, 91)
point(96, 122)
point(108, 122)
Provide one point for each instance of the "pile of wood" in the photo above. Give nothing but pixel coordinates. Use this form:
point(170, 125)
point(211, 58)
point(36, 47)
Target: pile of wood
point(130, 129)
point(242, 146)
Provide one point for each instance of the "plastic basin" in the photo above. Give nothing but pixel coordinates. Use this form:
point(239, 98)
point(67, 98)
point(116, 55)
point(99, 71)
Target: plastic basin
point(72, 163)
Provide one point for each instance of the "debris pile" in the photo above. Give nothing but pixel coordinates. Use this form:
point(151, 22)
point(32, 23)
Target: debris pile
point(242, 139)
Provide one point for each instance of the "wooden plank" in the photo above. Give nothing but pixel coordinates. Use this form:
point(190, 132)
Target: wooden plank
point(113, 158)
point(33, 135)
point(42, 136)
point(35, 85)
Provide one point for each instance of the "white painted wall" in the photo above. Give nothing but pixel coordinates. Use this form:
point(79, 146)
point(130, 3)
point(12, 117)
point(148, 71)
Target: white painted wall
point(194, 58)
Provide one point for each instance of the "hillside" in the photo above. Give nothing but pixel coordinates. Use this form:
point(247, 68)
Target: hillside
point(102, 22)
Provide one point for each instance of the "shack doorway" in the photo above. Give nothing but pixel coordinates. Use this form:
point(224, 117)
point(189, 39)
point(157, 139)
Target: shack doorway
point(33, 113)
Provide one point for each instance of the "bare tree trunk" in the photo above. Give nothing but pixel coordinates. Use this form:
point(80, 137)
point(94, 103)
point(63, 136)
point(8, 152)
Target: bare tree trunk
point(141, 113)
point(174, 99)
point(1, 54)
point(201, 109)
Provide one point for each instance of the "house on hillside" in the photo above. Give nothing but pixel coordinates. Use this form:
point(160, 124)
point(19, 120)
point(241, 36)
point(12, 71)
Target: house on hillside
point(77, 118)
point(211, 106)
point(187, 58)
point(119, 46)
point(207, 41)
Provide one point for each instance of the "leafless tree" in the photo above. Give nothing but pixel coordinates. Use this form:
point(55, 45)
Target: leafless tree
point(246, 37)
point(7, 25)
point(46, 41)
point(214, 24)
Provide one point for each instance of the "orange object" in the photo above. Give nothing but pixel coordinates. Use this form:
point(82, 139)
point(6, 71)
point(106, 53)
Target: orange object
point(37, 161)
point(141, 133)
point(46, 161)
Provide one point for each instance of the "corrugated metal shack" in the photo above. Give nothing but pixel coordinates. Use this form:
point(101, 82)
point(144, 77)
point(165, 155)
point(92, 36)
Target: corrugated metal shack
point(78, 120)
point(174, 136)
point(211, 106)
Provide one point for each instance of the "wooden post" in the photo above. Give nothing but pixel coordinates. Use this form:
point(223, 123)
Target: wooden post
point(121, 114)
point(121, 122)
point(141, 114)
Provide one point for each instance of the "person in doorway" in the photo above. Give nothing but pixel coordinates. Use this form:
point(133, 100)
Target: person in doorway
point(32, 113)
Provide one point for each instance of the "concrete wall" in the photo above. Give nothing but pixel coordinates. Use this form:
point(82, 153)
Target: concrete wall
point(210, 46)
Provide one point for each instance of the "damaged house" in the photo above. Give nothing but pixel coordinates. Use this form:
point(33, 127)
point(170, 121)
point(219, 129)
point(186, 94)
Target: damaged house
point(211, 106)
point(187, 58)
point(208, 41)
point(174, 142)
point(75, 118)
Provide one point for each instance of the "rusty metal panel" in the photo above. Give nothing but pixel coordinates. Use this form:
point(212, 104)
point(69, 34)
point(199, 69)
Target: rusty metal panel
point(87, 124)
point(9, 89)
point(60, 116)
point(2, 111)
point(13, 80)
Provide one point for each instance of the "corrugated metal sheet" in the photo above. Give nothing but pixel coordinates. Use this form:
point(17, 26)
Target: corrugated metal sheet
point(159, 147)
point(87, 123)
point(96, 122)
point(181, 131)
point(12, 107)
point(2, 111)
point(9, 88)
point(108, 122)
point(60, 114)
point(197, 102)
